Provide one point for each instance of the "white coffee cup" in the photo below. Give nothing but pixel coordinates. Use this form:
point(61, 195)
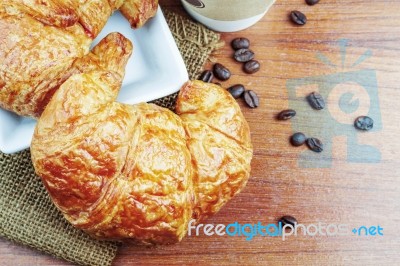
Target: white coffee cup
point(227, 15)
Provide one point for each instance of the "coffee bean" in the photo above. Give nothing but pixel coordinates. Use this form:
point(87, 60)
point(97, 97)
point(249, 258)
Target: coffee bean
point(236, 90)
point(298, 18)
point(286, 114)
point(364, 123)
point(287, 219)
point(207, 76)
point(219, 84)
point(251, 98)
point(244, 55)
point(221, 72)
point(240, 43)
point(251, 67)
point(298, 139)
point(315, 144)
point(316, 101)
point(312, 2)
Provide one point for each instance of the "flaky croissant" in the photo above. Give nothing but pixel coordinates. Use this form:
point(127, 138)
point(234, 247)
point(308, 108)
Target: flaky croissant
point(140, 172)
point(41, 40)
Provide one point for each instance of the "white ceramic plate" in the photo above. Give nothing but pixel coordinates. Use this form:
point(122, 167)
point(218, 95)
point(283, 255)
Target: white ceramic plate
point(156, 69)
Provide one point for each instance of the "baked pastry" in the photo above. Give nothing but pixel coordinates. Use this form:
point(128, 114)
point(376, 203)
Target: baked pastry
point(41, 40)
point(139, 11)
point(218, 138)
point(140, 172)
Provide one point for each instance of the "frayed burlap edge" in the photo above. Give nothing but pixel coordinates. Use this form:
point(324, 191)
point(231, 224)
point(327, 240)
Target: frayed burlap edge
point(196, 44)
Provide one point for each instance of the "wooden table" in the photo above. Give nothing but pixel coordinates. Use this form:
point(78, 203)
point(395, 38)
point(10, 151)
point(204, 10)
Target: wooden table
point(328, 187)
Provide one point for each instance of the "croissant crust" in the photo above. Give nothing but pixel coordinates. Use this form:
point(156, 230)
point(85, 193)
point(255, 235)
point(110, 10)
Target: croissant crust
point(41, 42)
point(140, 172)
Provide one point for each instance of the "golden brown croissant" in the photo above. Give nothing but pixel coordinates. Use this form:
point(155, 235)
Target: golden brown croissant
point(41, 40)
point(140, 172)
point(219, 141)
point(139, 11)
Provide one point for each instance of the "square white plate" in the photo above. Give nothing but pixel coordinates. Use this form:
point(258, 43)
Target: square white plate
point(156, 69)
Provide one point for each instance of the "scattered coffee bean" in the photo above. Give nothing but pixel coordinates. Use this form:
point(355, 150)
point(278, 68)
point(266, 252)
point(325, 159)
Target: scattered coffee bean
point(251, 67)
point(221, 72)
point(286, 114)
point(251, 98)
point(240, 43)
point(287, 219)
point(298, 139)
point(219, 84)
point(207, 76)
point(315, 144)
point(298, 18)
point(244, 55)
point(316, 101)
point(364, 123)
point(312, 2)
point(236, 90)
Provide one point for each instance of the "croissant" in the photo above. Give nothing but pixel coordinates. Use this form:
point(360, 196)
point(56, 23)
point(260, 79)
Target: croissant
point(42, 40)
point(139, 172)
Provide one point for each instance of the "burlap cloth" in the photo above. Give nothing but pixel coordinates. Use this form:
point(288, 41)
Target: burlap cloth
point(28, 216)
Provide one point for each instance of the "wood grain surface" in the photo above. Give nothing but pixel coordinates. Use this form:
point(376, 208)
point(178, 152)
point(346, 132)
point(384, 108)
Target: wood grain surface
point(328, 187)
